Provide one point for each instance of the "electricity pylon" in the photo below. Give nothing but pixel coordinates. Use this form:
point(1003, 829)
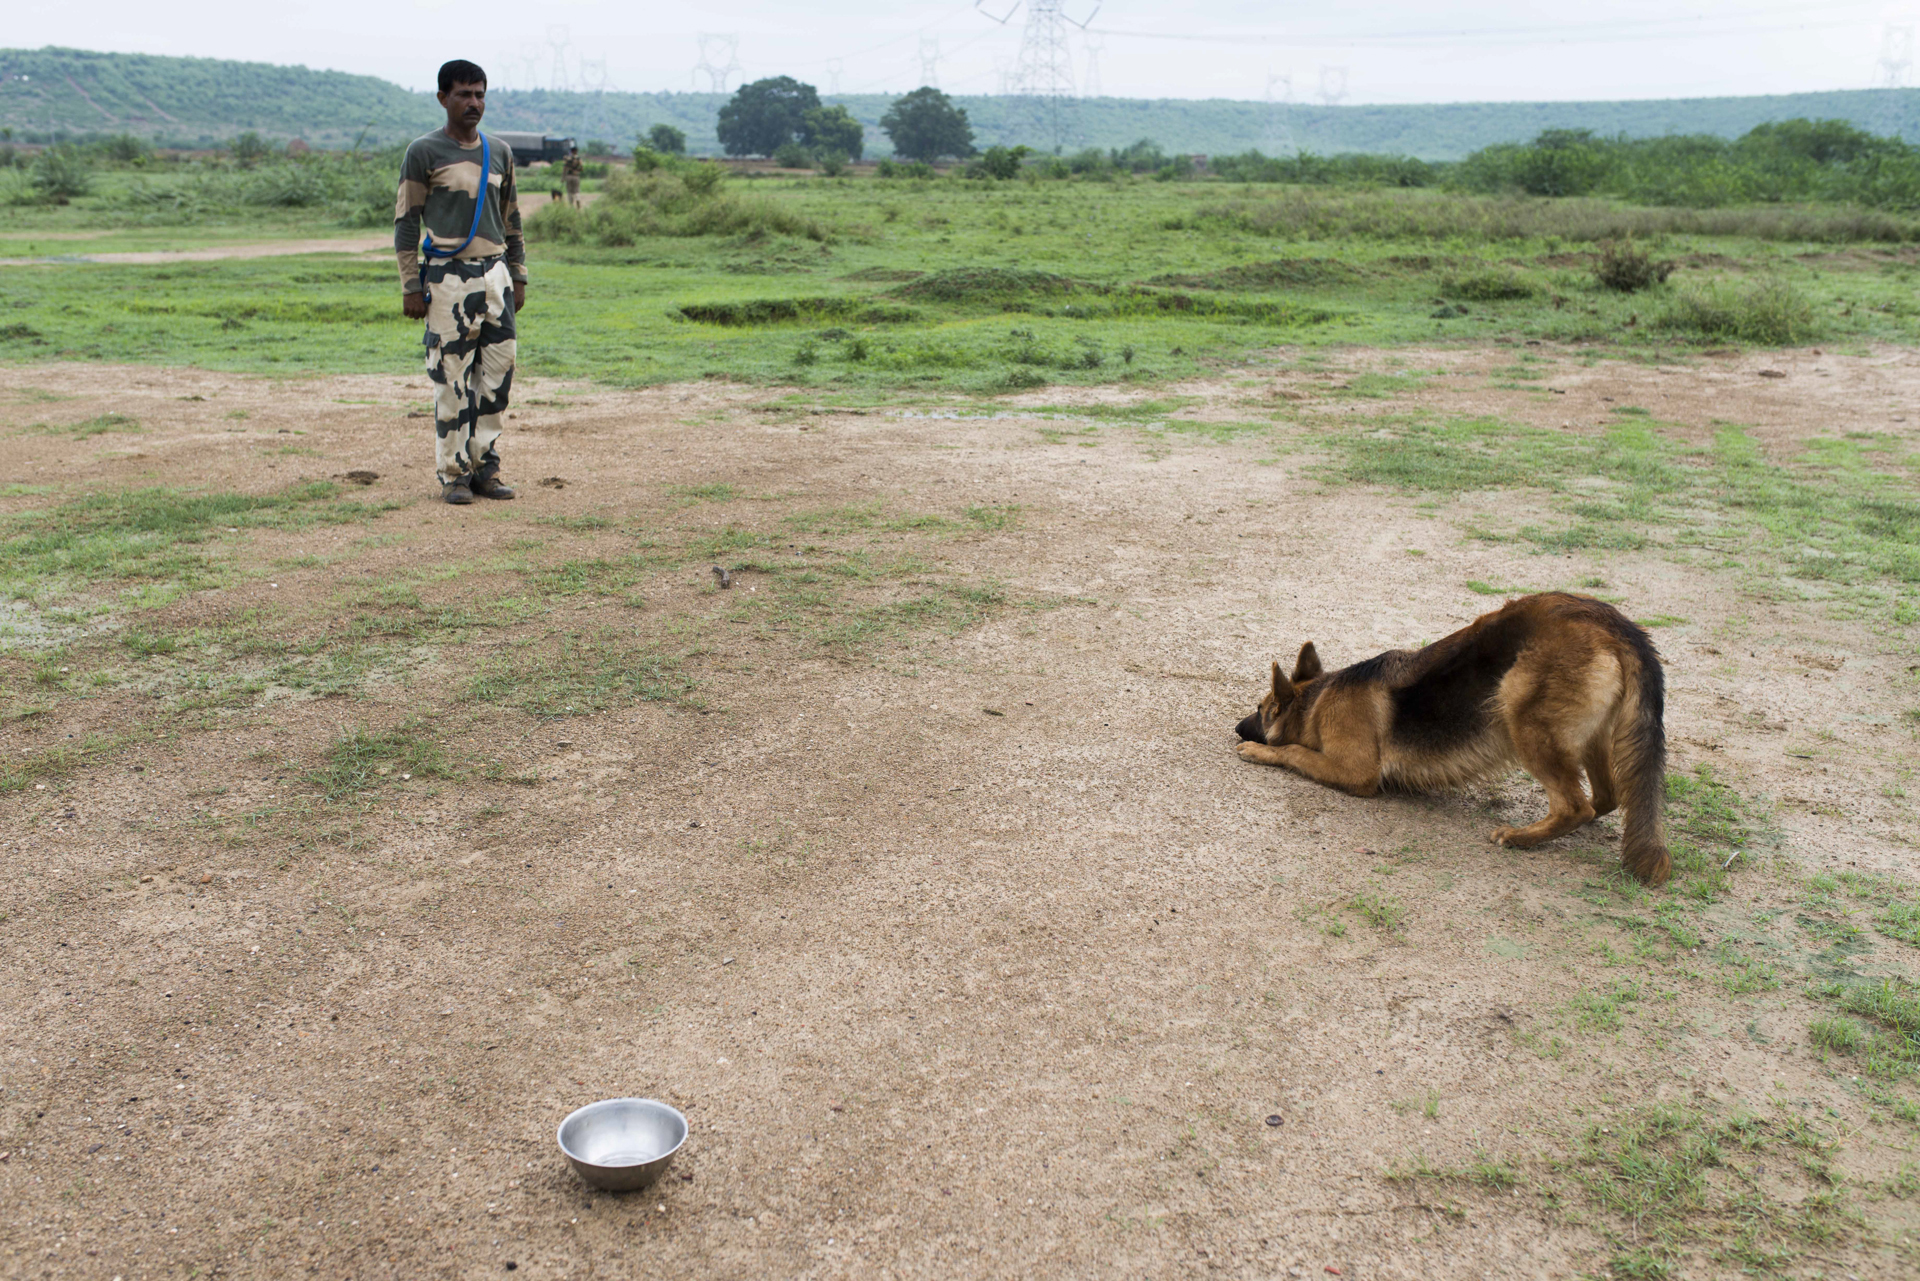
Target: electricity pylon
point(1044, 72)
point(719, 60)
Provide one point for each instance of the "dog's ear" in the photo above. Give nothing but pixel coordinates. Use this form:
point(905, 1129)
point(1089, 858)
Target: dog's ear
point(1307, 666)
point(1282, 690)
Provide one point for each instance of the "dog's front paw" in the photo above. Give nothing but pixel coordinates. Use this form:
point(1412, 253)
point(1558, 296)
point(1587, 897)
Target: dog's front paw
point(1499, 835)
point(1258, 753)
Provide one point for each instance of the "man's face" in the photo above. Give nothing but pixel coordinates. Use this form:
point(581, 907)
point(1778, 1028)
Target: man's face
point(465, 103)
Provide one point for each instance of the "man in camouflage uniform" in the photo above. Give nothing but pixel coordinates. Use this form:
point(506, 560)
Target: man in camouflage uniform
point(469, 300)
point(572, 170)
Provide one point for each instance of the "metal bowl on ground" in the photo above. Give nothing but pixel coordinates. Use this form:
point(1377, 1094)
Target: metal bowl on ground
point(622, 1144)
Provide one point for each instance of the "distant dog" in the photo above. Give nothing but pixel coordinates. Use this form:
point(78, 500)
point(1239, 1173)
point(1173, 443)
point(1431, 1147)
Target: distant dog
point(1554, 683)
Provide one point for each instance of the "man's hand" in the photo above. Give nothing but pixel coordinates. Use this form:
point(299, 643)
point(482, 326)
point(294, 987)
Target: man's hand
point(519, 295)
point(413, 305)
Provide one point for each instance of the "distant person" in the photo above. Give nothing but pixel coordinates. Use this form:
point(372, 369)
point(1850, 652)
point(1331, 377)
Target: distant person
point(572, 170)
point(467, 281)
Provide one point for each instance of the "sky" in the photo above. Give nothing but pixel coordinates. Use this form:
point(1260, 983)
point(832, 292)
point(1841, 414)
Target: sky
point(1372, 51)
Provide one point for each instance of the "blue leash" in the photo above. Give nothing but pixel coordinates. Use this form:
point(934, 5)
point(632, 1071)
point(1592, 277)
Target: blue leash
point(427, 251)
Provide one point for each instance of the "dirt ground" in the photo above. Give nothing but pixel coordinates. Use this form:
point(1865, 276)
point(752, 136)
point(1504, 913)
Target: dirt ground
point(532, 202)
point(980, 955)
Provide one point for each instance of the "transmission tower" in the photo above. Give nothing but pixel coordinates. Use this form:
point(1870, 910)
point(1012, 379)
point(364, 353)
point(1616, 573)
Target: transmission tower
point(834, 67)
point(531, 62)
point(1280, 140)
point(930, 61)
point(719, 60)
point(1044, 73)
point(560, 40)
point(1895, 78)
point(1333, 85)
point(594, 122)
point(1093, 44)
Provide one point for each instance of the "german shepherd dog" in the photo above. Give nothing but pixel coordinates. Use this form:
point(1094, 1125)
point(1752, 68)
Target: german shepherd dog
point(1555, 683)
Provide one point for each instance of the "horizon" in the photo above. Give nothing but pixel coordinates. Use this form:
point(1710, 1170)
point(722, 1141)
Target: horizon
point(1389, 53)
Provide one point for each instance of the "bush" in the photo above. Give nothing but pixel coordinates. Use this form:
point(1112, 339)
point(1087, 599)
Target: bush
point(909, 169)
point(1764, 310)
point(60, 173)
point(1489, 284)
point(249, 149)
point(1001, 162)
point(125, 149)
point(666, 140)
point(1626, 269)
point(833, 164)
point(791, 155)
point(679, 198)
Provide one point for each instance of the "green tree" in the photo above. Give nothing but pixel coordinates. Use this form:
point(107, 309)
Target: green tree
point(833, 129)
point(765, 114)
point(666, 140)
point(925, 125)
point(249, 149)
point(61, 173)
point(1004, 162)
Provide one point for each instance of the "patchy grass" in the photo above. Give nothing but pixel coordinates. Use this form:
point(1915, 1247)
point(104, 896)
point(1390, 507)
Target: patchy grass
point(363, 760)
point(1838, 513)
point(577, 673)
point(1670, 1180)
point(156, 536)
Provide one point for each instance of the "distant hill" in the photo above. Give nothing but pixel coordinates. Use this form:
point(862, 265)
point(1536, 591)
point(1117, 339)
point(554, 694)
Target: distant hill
point(204, 101)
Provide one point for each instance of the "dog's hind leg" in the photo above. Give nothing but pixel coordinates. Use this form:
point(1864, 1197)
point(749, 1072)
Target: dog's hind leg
point(1599, 767)
point(1559, 772)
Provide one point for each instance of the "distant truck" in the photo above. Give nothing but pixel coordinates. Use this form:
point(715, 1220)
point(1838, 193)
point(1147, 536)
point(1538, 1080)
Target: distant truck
point(529, 148)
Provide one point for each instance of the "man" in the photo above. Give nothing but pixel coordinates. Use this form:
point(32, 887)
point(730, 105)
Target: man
point(468, 290)
point(571, 171)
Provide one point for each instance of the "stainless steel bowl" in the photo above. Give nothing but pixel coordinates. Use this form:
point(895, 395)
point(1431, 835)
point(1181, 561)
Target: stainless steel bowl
point(622, 1144)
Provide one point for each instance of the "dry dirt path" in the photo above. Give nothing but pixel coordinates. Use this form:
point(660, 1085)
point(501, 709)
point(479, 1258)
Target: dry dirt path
point(979, 955)
point(363, 244)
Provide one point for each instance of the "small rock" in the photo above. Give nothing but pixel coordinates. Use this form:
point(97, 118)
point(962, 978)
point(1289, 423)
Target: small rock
point(565, 742)
point(206, 878)
point(722, 577)
point(553, 482)
point(1772, 373)
point(727, 961)
point(1274, 1119)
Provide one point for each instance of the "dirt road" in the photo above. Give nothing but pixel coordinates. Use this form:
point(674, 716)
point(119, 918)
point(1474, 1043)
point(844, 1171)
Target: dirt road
point(970, 954)
point(381, 243)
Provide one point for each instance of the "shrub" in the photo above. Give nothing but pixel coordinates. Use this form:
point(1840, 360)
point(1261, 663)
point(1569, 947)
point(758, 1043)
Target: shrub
point(249, 149)
point(791, 155)
point(60, 173)
point(124, 148)
point(1625, 268)
point(1765, 310)
point(833, 164)
point(666, 140)
point(1002, 162)
point(679, 198)
point(1489, 284)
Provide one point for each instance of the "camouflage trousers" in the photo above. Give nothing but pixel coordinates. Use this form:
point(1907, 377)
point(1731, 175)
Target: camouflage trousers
point(470, 352)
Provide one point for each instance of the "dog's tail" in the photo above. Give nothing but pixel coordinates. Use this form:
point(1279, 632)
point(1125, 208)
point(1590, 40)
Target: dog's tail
point(1640, 764)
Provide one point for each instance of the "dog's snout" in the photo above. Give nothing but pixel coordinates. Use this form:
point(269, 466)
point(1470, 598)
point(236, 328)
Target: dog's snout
point(1249, 730)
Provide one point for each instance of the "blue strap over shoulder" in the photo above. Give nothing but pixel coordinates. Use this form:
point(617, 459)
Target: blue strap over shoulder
point(427, 250)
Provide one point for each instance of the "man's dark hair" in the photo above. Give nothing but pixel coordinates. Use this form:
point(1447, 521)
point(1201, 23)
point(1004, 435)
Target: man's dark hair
point(460, 72)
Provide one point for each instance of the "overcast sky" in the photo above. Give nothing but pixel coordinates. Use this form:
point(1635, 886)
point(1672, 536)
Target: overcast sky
point(1372, 51)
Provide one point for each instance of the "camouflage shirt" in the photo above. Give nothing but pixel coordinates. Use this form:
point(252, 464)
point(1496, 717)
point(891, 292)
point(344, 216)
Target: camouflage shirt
point(573, 167)
point(438, 180)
